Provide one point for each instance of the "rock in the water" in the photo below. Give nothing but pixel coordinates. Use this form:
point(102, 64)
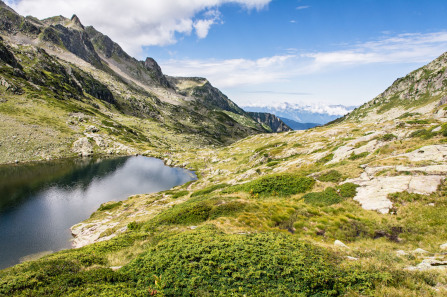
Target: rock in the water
point(338, 243)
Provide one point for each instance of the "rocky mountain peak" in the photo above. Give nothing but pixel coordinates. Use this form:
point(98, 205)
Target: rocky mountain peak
point(156, 72)
point(75, 20)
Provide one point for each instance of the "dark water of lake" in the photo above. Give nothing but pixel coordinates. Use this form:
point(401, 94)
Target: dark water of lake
point(40, 202)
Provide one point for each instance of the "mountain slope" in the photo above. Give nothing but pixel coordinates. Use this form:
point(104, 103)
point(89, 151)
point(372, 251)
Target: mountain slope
point(66, 71)
point(272, 121)
point(353, 208)
point(421, 91)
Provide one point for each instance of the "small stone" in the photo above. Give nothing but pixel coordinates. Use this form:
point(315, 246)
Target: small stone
point(169, 162)
point(419, 251)
point(16, 161)
point(338, 243)
point(115, 268)
point(351, 258)
point(443, 246)
point(92, 129)
point(401, 253)
point(192, 227)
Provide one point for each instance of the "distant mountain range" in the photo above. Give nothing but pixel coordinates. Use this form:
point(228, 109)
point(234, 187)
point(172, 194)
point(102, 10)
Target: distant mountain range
point(297, 125)
point(316, 114)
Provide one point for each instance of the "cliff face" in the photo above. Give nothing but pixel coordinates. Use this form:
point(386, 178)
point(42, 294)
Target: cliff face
point(272, 121)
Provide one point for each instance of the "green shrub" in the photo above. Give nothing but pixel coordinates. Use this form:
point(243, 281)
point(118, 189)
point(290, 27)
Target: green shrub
point(444, 130)
point(407, 115)
point(422, 133)
point(180, 194)
point(417, 122)
point(208, 190)
point(109, 206)
point(328, 197)
point(282, 185)
point(388, 137)
point(331, 176)
point(406, 197)
point(325, 159)
point(133, 226)
point(198, 210)
point(272, 163)
point(353, 156)
point(347, 190)
point(210, 263)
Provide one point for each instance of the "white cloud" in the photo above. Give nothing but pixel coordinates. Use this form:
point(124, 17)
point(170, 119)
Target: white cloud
point(232, 72)
point(303, 7)
point(203, 26)
point(402, 48)
point(317, 107)
point(405, 48)
point(331, 75)
point(137, 23)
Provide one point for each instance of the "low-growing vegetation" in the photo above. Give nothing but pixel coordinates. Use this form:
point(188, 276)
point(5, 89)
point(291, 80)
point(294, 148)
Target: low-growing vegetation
point(281, 185)
point(208, 190)
point(331, 176)
point(325, 198)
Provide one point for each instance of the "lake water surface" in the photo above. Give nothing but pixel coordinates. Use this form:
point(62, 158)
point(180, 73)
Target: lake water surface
point(40, 202)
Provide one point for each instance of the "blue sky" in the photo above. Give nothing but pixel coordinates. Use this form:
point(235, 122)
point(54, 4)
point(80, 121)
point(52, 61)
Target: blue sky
point(264, 52)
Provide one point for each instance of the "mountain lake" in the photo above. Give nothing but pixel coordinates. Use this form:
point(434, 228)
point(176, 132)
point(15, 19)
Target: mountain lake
point(40, 201)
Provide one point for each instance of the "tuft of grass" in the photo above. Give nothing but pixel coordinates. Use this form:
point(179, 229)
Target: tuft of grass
point(423, 133)
point(328, 197)
point(417, 122)
point(331, 176)
point(283, 185)
point(208, 190)
point(180, 194)
point(325, 159)
point(347, 190)
point(199, 210)
point(354, 156)
point(388, 137)
point(109, 206)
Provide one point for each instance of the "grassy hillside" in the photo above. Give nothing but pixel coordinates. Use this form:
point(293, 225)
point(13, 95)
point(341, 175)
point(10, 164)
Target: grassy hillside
point(353, 208)
point(264, 217)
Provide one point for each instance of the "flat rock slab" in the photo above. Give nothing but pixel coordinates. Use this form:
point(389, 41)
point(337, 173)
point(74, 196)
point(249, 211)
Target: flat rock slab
point(437, 153)
point(373, 194)
point(430, 264)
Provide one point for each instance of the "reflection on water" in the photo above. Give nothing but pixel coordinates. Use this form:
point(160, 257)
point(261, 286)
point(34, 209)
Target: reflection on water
point(40, 202)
